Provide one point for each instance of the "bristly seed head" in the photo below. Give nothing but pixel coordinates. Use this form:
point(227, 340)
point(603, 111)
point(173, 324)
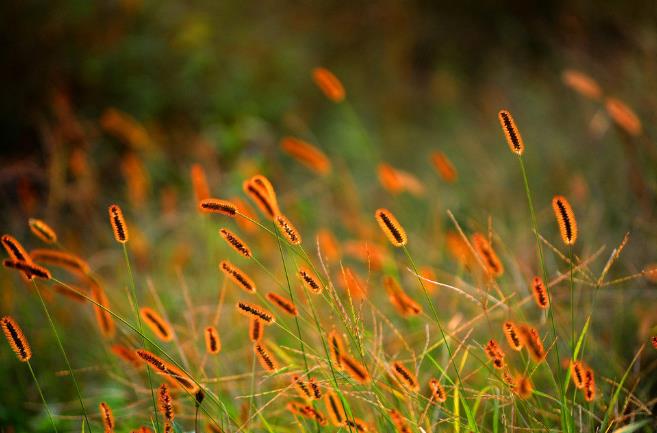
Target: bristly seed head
point(391, 227)
point(118, 224)
point(16, 338)
point(565, 219)
point(511, 132)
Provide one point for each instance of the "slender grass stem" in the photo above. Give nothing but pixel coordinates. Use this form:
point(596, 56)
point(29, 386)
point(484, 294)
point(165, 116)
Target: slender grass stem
point(196, 418)
point(572, 323)
point(572, 304)
point(135, 304)
point(471, 422)
point(252, 398)
point(43, 398)
point(63, 351)
point(212, 397)
point(541, 261)
point(289, 289)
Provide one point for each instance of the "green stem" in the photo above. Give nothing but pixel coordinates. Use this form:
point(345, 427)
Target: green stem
point(211, 395)
point(471, 422)
point(135, 305)
point(43, 399)
point(541, 259)
point(296, 319)
point(572, 304)
point(63, 351)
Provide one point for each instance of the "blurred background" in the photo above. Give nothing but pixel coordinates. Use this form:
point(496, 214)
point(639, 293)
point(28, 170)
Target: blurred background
point(107, 101)
point(236, 76)
point(94, 91)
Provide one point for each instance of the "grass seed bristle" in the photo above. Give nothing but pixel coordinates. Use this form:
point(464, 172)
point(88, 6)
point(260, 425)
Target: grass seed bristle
point(42, 230)
point(106, 417)
point(437, 391)
point(336, 349)
point(62, 259)
point(513, 137)
point(16, 338)
point(31, 269)
point(237, 276)
point(165, 402)
point(199, 182)
point(485, 251)
point(391, 227)
point(266, 359)
point(302, 387)
point(540, 293)
point(400, 300)
point(400, 423)
point(307, 154)
point(262, 198)
point(335, 408)
point(283, 303)
point(405, 377)
point(212, 340)
point(329, 84)
point(287, 229)
point(444, 167)
point(103, 317)
point(310, 280)
point(156, 323)
point(256, 329)
point(565, 216)
point(235, 242)
point(355, 369)
point(167, 369)
point(118, 224)
point(512, 334)
point(256, 311)
point(218, 206)
point(495, 354)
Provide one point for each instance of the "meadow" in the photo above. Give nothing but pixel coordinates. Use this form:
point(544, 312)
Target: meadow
point(329, 267)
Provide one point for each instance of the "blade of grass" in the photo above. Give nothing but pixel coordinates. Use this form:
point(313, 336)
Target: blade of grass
point(612, 402)
point(63, 352)
point(43, 398)
point(566, 424)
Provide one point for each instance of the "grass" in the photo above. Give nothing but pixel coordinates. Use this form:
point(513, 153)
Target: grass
point(464, 304)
